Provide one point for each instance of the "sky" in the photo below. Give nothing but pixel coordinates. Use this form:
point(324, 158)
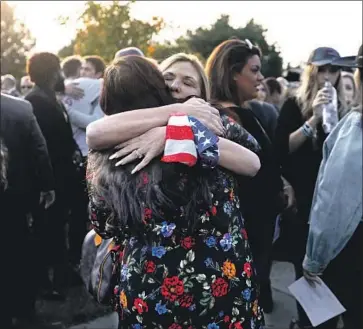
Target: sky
point(297, 27)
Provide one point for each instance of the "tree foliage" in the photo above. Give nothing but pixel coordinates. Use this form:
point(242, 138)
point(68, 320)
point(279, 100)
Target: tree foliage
point(16, 42)
point(108, 28)
point(204, 40)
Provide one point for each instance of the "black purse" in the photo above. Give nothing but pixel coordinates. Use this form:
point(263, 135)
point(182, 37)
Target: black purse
point(99, 265)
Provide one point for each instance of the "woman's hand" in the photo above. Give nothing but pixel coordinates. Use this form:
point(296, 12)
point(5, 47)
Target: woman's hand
point(322, 97)
point(205, 113)
point(73, 91)
point(312, 278)
point(147, 146)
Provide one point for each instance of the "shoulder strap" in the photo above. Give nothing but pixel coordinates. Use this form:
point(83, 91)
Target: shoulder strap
point(259, 121)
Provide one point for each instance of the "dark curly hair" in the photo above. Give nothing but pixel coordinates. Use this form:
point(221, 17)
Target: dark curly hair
point(42, 68)
point(131, 83)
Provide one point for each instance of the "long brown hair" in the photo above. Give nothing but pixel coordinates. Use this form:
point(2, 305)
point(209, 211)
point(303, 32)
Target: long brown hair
point(225, 61)
point(131, 83)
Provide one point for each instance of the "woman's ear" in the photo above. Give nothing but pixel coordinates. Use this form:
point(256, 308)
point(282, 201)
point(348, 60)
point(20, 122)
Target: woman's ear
point(236, 76)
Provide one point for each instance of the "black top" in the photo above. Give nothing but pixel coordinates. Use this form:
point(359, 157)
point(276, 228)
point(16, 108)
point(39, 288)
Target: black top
point(259, 195)
point(301, 167)
point(54, 124)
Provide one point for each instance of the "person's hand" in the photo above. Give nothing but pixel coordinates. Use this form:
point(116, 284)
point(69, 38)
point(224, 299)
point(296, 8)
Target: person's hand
point(322, 97)
point(77, 158)
point(289, 194)
point(73, 91)
point(205, 113)
point(312, 278)
point(47, 198)
point(147, 146)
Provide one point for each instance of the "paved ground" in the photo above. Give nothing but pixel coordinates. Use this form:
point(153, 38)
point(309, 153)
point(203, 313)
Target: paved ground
point(285, 308)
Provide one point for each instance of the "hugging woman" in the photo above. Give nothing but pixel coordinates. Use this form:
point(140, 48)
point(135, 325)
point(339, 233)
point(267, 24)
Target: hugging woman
point(186, 261)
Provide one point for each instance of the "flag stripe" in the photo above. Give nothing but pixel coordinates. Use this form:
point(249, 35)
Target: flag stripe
point(179, 133)
point(179, 120)
point(179, 146)
point(186, 158)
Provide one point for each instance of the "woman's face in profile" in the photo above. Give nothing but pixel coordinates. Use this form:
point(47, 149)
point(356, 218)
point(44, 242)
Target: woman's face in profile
point(183, 80)
point(348, 89)
point(250, 78)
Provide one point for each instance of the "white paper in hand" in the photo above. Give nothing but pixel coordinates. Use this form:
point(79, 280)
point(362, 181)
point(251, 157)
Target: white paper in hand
point(277, 229)
point(319, 303)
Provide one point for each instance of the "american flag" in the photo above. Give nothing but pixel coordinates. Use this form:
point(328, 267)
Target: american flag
point(187, 139)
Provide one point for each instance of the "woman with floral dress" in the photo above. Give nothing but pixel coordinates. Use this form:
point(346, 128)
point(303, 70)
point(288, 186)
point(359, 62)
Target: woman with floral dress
point(185, 258)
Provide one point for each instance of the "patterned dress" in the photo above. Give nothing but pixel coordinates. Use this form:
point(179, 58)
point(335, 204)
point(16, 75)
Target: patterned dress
point(202, 278)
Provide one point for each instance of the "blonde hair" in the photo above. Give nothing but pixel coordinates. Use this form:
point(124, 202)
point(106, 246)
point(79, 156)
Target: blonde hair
point(358, 83)
point(192, 59)
point(3, 166)
point(308, 89)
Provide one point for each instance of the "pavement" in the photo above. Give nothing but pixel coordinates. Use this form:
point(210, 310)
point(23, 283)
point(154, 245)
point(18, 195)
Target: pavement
point(282, 275)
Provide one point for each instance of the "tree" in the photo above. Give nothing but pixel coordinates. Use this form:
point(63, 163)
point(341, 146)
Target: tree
point(108, 28)
point(16, 42)
point(204, 40)
point(67, 50)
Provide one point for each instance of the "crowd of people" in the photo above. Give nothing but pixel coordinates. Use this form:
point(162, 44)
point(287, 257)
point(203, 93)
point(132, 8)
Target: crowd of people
point(187, 168)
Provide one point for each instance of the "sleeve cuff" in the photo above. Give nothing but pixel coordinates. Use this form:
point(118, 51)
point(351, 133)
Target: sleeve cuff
point(313, 266)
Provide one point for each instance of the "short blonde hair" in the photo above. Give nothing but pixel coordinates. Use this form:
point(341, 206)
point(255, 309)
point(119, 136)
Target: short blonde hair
point(192, 59)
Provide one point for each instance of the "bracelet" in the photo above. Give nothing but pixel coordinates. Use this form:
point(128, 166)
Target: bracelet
point(307, 130)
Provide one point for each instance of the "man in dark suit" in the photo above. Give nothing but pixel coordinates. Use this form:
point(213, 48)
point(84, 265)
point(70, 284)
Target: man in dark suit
point(27, 171)
point(45, 72)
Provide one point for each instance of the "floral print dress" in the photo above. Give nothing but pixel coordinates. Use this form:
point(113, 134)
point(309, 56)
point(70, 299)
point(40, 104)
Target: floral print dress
point(183, 279)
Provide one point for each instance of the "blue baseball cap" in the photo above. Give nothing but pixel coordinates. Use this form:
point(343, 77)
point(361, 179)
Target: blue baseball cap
point(323, 56)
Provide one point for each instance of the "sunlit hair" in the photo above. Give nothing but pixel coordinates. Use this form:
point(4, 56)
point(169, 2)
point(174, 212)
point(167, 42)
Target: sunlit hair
point(41, 67)
point(350, 76)
point(3, 166)
point(71, 65)
point(359, 86)
point(227, 59)
point(308, 89)
point(192, 59)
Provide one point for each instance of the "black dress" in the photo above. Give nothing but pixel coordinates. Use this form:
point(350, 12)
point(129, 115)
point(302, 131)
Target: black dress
point(202, 278)
point(301, 169)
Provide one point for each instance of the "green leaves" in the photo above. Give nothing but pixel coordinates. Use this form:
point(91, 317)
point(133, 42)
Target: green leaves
point(16, 42)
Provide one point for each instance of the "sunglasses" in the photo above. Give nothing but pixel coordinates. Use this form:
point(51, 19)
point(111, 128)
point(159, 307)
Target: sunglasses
point(329, 68)
point(26, 87)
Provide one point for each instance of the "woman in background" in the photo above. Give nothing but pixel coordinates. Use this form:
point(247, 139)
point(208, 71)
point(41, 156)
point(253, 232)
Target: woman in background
point(350, 88)
point(299, 140)
point(335, 243)
point(234, 72)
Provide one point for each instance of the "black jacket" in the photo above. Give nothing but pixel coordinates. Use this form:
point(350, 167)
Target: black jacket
point(54, 124)
point(29, 168)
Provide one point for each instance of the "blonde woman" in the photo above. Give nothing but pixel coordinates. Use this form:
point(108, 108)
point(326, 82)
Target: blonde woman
point(335, 244)
point(350, 88)
point(299, 138)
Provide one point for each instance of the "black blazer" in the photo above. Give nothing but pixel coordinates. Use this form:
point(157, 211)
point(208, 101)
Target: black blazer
point(54, 123)
point(29, 168)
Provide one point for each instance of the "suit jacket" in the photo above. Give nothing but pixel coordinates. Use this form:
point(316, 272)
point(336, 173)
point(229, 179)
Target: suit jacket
point(29, 168)
point(54, 124)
